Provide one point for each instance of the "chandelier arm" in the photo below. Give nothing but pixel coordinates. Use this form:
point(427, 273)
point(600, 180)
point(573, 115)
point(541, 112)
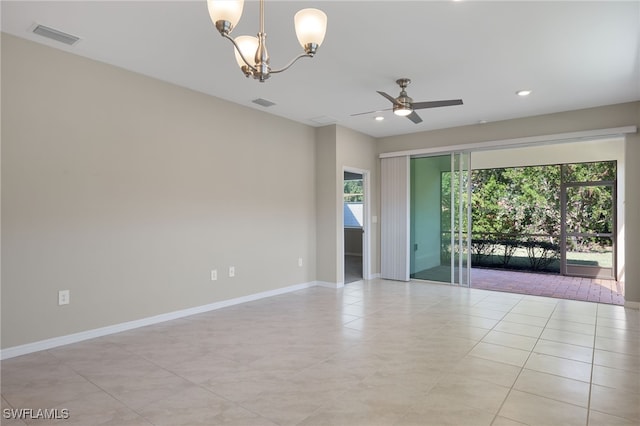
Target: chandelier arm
point(302, 55)
point(235, 45)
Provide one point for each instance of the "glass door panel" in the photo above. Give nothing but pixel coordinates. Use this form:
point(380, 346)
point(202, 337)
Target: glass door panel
point(440, 218)
point(430, 215)
point(461, 219)
point(589, 224)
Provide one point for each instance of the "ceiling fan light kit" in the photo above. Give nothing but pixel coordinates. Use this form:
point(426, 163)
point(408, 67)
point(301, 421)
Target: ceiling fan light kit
point(251, 52)
point(402, 104)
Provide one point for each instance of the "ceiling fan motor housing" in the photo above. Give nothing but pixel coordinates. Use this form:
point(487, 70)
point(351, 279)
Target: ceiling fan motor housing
point(402, 105)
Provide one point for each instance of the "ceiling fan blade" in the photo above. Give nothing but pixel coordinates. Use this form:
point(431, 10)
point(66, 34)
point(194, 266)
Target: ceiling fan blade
point(370, 112)
point(436, 104)
point(414, 117)
point(388, 96)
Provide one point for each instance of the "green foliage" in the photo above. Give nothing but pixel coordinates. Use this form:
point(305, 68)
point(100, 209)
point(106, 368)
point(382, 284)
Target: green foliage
point(353, 191)
point(518, 210)
point(522, 200)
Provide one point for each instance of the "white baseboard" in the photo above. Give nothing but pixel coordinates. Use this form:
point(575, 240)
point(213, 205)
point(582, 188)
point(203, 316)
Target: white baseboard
point(631, 305)
point(330, 285)
point(54, 342)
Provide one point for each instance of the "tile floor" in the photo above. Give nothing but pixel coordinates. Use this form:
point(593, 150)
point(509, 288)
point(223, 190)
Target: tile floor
point(374, 353)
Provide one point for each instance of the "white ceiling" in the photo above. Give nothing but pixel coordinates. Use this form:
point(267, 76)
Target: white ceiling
point(573, 54)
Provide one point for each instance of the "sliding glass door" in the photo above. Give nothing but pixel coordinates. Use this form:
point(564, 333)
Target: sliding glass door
point(440, 218)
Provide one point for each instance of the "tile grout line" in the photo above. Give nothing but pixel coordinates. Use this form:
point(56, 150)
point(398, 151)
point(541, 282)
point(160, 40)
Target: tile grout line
point(593, 360)
point(524, 363)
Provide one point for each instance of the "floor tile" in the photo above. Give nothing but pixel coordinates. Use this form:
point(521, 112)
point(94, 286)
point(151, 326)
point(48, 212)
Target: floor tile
point(570, 369)
point(534, 309)
point(564, 350)
point(575, 327)
point(626, 381)
point(197, 406)
point(454, 413)
point(510, 340)
point(503, 421)
point(616, 402)
point(630, 323)
point(618, 333)
point(499, 353)
point(618, 345)
point(564, 336)
point(517, 328)
point(574, 317)
point(526, 319)
point(601, 419)
point(473, 393)
point(554, 387)
point(536, 410)
point(99, 408)
point(617, 360)
point(494, 372)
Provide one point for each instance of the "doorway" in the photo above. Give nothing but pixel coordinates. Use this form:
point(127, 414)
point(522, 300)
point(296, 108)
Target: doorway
point(354, 224)
point(588, 203)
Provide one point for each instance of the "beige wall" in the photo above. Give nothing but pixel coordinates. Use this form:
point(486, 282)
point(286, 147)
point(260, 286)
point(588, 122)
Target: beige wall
point(338, 148)
point(127, 191)
point(565, 122)
point(632, 213)
point(357, 151)
point(327, 225)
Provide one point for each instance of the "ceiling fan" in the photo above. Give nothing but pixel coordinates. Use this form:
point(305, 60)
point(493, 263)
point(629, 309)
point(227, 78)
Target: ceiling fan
point(404, 106)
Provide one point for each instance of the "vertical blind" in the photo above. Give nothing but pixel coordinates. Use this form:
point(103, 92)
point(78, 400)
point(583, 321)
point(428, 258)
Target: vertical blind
point(394, 218)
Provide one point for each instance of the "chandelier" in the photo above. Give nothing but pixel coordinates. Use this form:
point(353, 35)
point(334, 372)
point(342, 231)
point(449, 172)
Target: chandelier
point(251, 52)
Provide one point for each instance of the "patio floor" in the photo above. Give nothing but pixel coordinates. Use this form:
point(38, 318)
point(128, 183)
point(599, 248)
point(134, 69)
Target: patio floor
point(574, 288)
point(550, 285)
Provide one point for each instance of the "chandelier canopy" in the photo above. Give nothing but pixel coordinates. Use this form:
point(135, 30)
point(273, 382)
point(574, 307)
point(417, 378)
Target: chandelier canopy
point(251, 52)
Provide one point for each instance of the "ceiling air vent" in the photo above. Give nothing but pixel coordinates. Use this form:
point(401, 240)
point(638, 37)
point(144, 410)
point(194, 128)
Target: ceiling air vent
point(56, 35)
point(263, 102)
point(323, 120)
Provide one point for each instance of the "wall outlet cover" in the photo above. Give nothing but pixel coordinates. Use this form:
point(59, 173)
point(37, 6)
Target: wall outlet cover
point(64, 297)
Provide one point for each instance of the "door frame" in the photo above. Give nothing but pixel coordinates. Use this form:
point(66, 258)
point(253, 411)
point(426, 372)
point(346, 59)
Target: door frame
point(588, 271)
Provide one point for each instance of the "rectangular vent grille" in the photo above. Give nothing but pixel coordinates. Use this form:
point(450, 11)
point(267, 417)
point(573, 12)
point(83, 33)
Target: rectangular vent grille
point(263, 102)
point(56, 35)
point(323, 120)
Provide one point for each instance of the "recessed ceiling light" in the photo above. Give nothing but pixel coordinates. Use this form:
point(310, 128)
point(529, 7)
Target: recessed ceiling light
point(378, 118)
point(523, 92)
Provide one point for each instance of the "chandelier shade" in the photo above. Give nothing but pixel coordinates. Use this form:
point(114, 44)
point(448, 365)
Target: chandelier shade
point(226, 11)
point(251, 52)
point(248, 45)
point(311, 27)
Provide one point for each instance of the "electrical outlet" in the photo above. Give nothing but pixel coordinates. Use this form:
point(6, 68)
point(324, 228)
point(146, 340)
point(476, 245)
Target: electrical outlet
point(64, 297)
point(300, 261)
point(214, 274)
point(232, 271)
